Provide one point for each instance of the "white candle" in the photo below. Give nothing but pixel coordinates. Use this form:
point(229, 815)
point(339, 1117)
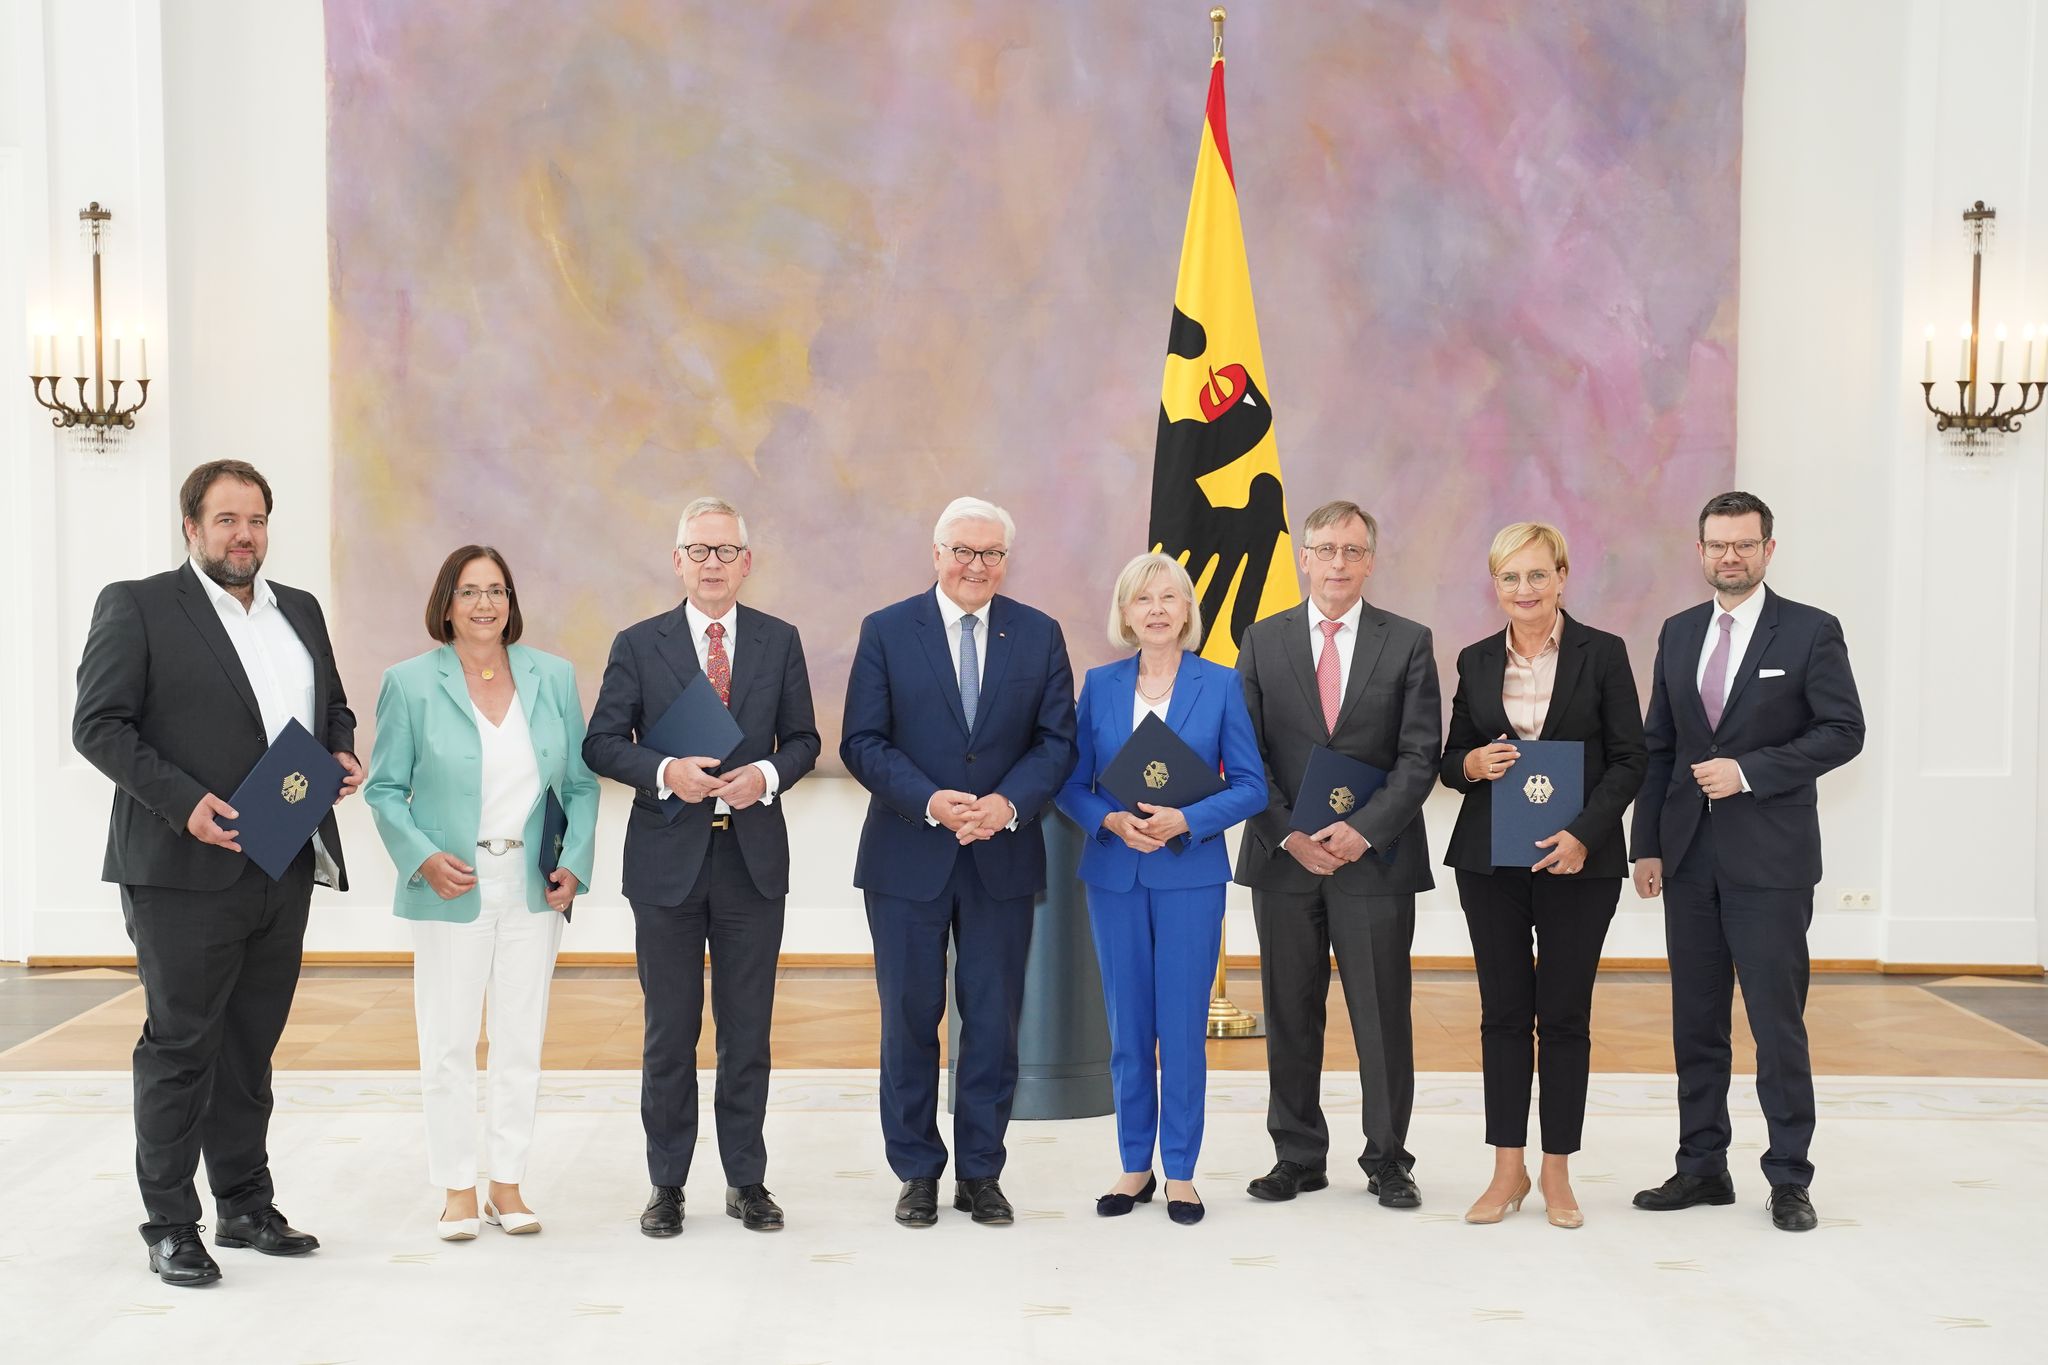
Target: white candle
point(81, 351)
point(1929, 376)
point(50, 357)
point(117, 355)
point(35, 342)
point(1998, 358)
point(142, 346)
point(1963, 364)
point(2041, 359)
point(2027, 353)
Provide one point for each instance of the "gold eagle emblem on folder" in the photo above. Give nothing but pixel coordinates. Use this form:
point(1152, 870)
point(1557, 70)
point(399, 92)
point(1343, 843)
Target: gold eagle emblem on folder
point(294, 790)
point(1155, 774)
point(1341, 800)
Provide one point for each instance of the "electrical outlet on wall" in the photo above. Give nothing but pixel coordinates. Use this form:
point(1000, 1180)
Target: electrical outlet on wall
point(1856, 900)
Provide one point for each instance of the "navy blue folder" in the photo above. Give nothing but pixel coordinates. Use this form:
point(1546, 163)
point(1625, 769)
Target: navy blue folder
point(696, 725)
point(1157, 767)
point(554, 828)
point(1542, 793)
point(1332, 787)
point(284, 798)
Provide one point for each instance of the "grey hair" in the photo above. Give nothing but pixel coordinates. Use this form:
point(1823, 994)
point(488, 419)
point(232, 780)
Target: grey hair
point(704, 507)
point(973, 509)
point(1141, 570)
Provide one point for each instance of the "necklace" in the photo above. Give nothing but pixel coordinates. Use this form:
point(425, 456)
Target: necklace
point(485, 673)
point(1163, 695)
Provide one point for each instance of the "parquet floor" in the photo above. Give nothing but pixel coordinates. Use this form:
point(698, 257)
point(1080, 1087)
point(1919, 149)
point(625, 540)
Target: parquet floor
point(361, 1018)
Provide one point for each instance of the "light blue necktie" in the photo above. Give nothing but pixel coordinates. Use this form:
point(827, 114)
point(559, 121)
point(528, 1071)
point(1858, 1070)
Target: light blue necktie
point(970, 670)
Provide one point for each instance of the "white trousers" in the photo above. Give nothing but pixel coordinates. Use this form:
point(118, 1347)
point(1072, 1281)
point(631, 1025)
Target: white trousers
point(506, 955)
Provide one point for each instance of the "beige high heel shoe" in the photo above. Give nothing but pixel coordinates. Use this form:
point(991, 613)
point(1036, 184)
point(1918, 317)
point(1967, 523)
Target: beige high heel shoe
point(1563, 1218)
point(1493, 1213)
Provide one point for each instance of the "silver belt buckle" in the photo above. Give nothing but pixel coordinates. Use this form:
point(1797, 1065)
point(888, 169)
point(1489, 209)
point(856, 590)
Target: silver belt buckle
point(500, 847)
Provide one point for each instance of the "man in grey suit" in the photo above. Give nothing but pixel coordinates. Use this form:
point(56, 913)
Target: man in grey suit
point(707, 855)
point(1340, 672)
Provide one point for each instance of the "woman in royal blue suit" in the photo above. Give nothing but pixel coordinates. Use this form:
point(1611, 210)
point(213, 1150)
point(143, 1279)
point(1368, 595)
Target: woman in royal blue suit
point(1157, 914)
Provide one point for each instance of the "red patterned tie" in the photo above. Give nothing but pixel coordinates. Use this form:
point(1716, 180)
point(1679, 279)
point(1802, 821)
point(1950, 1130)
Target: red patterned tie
point(1326, 675)
point(717, 666)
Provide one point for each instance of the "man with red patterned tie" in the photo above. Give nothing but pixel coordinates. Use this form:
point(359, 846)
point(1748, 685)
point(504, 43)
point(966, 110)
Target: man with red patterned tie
point(707, 855)
point(1340, 672)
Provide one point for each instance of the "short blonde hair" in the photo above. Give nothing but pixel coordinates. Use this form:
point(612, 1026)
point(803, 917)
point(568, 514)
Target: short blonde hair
point(1140, 571)
point(1513, 539)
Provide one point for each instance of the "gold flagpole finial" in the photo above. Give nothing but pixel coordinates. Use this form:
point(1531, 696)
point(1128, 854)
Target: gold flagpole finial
point(1216, 30)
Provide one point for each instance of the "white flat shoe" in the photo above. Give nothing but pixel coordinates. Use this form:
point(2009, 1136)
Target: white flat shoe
point(515, 1224)
point(457, 1230)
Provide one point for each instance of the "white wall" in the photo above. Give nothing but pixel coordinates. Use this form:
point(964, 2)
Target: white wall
point(1867, 128)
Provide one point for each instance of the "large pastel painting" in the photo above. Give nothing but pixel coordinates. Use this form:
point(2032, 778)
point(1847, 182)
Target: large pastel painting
point(839, 261)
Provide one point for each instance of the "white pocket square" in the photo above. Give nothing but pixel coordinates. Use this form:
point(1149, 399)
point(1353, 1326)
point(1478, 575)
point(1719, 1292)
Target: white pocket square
point(1770, 672)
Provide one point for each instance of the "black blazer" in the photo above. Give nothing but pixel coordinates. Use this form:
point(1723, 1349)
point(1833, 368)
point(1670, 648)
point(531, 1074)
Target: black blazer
point(165, 709)
point(1391, 717)
point(1784, 730)
point(651, 662)
point(1593, 700)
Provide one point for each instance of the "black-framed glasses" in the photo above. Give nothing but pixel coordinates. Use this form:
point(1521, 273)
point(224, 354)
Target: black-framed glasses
point(726, 553)
point(1353, 554)
point(964, 554)
point(469, 597)
point(1744, 549)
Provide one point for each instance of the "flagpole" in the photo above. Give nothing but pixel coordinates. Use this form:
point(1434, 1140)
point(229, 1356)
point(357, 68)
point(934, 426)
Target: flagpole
point(1225, 1019)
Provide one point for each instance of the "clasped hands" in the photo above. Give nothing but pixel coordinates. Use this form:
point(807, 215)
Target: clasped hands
point(970, 817)
point(1149, 831)
point(1329, 848)
point(692, 780)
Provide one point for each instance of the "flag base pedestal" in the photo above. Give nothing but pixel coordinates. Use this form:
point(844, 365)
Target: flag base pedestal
point(1228, 1021)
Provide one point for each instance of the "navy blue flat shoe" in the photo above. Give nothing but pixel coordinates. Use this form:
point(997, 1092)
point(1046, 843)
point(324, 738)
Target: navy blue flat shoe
point(1117, 1205)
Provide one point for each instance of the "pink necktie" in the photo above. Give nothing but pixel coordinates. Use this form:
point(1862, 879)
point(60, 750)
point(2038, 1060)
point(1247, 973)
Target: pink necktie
point(1326, 675)
point(717, 664)
point(1714, 687)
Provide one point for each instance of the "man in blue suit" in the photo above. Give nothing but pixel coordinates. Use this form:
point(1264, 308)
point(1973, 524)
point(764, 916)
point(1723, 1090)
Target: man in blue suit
point(1752, 701)
point(960, 723)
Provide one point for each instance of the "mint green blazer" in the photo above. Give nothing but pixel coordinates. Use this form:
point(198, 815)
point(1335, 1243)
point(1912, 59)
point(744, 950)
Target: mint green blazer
point(426, 774)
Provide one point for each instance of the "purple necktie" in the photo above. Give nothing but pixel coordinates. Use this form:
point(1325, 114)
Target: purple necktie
point(1714, 687)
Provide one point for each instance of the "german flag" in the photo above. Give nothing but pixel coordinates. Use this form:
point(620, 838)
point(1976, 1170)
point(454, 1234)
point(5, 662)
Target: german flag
point(1217, 503)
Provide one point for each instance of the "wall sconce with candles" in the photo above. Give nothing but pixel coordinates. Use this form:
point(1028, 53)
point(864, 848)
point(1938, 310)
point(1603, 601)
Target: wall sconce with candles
point(1974, 431)
point(97, 423)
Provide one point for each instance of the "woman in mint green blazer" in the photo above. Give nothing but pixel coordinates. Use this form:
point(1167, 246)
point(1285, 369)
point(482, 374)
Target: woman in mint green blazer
point(471, 738)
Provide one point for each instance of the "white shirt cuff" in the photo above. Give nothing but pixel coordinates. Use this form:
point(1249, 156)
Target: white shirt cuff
point(772, 778)
point(661, 791)
point(1739, 773)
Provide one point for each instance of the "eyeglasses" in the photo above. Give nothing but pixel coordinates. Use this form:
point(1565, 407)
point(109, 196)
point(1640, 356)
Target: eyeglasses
point(726, 553)
point(1537, 579)
point(964, 555)
point(469, 597)
point(1353, 554)
point(1744, 549)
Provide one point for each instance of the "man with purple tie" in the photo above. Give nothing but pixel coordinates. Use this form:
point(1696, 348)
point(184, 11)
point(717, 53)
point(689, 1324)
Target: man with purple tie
point(1752, 700)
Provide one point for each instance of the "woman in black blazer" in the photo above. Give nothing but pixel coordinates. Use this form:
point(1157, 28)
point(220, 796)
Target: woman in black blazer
point(1546, 676)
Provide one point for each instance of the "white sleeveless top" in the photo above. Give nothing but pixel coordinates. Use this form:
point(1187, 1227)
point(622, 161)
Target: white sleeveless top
point(511, 779)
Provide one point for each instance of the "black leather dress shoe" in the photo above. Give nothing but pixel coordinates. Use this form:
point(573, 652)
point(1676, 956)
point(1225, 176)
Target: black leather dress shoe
point(1395, 1187)
point(180, 1259)
point(1682, 1191)
point(1287, 1179)
point(663, 1216)
point(265, 1230)
point(1792, 1210)
point(983, 1198)
point(1117, 1205)
point(753, 1206)
point(918, 1205)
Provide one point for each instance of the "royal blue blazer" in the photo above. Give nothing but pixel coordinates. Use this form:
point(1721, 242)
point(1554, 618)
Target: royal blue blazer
point(1208, 712)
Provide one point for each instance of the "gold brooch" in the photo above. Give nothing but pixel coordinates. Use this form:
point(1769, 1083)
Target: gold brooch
point(1341, 800)
point(294, 789)
point(1155, 774)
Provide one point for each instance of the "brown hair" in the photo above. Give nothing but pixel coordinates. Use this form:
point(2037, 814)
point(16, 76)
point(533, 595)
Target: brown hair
point(441, 600)
point(193, 493)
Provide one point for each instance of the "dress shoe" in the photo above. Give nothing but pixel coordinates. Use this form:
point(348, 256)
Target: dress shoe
point(517, 1224)
point(1792, 1210)
point(457, 1229)
point(1395, 1187)
point(1564, 1218)
point(265, 1230)
point(1484, 1212)
point(1287, 1179)
point(754, 1207)
point(180, 1258)
point(1682, 1191)
point(663, 1216)
point(1186, 1212)
point(918, 1205)
point(983, 1198)
point(1117, 1205)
